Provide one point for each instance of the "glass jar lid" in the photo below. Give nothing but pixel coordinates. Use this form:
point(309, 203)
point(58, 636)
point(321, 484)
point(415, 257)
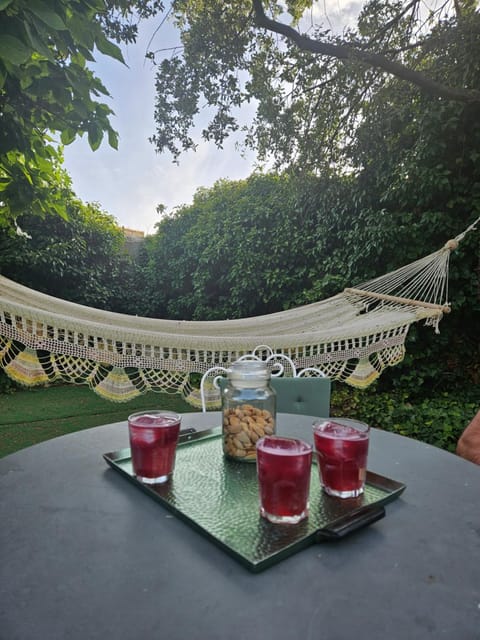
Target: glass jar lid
point(249, 373)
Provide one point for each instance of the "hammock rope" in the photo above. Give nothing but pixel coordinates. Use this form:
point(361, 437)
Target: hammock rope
point(351, 337)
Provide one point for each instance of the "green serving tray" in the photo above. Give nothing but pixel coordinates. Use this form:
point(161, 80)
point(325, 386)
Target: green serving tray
point(219, 498)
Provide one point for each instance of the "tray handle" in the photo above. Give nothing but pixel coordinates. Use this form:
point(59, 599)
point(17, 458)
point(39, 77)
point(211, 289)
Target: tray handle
point(350, 523)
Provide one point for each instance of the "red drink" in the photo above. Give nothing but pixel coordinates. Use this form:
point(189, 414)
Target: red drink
point(283, 468)
point(342, 450)
point(153, 441)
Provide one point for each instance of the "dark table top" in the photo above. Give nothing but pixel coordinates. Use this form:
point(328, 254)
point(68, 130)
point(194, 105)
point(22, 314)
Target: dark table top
point(84, 554)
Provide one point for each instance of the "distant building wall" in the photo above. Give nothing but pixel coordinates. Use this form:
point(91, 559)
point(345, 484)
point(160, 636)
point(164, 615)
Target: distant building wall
point(133, 240)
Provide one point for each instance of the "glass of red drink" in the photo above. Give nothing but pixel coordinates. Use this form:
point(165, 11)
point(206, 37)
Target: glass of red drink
point(283, 469)
point(341, 447)
point(153, 441)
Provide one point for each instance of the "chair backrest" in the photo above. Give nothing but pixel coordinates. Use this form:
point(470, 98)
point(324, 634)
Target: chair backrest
point(303, 396)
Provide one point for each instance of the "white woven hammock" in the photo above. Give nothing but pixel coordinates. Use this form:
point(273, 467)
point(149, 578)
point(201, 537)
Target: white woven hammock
point(351, 337)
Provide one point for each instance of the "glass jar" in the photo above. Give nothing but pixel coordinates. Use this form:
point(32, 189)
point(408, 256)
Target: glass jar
point(248, 408)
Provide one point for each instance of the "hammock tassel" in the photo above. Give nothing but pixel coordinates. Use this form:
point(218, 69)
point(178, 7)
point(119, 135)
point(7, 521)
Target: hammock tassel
point(363, 375)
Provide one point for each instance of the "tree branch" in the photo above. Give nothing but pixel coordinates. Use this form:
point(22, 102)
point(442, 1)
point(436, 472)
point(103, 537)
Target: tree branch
point(346, 52)
point(381, 32)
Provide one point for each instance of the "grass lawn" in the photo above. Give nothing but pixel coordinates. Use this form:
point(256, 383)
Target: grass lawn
point(34, 415)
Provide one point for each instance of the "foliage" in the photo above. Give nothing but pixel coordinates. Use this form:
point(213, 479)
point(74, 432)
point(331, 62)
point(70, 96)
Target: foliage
point(243, 248)
point(309, 86)
point(82, 259)
point(438, 420)
point(417, 160)
point(272, 242)
point(47, 87)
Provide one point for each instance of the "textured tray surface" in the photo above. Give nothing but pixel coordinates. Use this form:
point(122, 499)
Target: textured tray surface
point(220, 498)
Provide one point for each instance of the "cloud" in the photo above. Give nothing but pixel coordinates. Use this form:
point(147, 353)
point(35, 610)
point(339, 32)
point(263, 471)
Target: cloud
point(335, 15)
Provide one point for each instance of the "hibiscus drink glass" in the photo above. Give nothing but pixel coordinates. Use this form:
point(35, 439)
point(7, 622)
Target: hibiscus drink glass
point(283, 469)
point(342, 448)
point(153, 442)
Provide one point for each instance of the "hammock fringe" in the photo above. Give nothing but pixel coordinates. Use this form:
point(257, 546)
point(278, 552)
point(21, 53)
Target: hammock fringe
point(352, 337)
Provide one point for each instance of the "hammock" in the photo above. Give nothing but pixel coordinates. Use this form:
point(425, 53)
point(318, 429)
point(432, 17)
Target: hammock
point(351, 337)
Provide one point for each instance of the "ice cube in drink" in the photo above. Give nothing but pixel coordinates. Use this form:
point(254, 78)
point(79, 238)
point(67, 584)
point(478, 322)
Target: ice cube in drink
point(342, 450)
point(283, 469)
point(153, 442)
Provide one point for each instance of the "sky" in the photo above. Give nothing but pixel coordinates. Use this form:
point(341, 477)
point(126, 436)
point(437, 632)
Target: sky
point(130, 182)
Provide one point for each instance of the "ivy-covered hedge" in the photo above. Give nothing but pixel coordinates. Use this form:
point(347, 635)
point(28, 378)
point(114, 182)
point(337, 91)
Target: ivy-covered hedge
point(438, 420)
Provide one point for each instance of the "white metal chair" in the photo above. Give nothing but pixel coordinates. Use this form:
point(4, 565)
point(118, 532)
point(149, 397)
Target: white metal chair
point(305, 391)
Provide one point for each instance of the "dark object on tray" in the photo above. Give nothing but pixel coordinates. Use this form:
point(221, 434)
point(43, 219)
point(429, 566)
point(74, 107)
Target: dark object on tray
point(219, 498)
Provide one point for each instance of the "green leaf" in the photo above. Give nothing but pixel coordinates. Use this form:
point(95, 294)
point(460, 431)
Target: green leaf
point(113, 139)
point(46, 15)
point(108, 48)
point(4, 183)
point(68, 136)
point(13, 50)
point(4, 4)
point(82, 32)
point(60, 209)
point(37, 43)
point(80, 109)
point(26, 173)
point(95, 136)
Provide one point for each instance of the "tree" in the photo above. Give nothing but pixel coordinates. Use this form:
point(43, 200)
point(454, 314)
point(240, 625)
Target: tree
point(413, 183)
point(47, 89)
point(360, 51)
point(310, 90)
point(242, 248)
point(82, 259)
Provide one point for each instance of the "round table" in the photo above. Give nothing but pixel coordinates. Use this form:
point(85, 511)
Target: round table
point(84, 555)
